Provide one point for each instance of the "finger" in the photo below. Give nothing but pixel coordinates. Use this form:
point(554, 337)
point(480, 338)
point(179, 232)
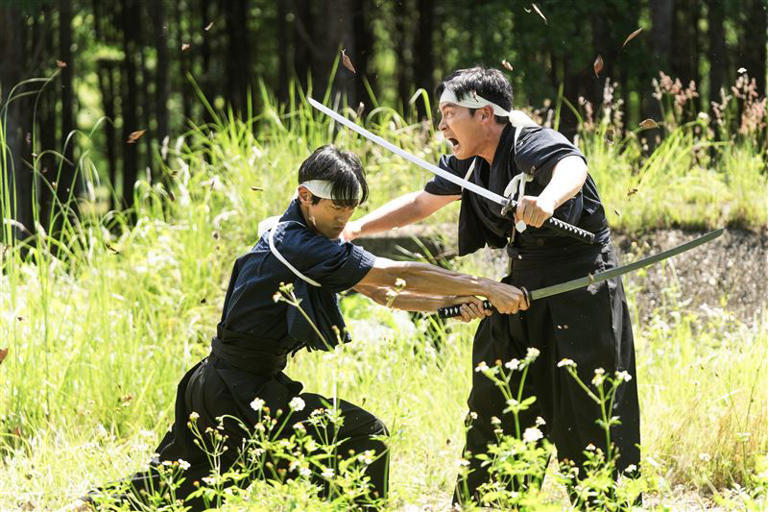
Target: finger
point(475, 309)
point(465, 313)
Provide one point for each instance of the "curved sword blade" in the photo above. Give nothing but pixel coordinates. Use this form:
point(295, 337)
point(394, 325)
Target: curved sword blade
point(581, 282)
point(555, 289)
point(492, 196)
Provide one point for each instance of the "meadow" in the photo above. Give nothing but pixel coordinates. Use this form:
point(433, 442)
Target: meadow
point(102, 319)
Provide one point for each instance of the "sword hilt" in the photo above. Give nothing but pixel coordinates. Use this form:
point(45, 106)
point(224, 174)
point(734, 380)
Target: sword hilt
point(455, 310)
point(555, 224)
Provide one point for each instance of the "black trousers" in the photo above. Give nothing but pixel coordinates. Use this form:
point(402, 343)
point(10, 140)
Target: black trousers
point(590, 326)
point(214, 388)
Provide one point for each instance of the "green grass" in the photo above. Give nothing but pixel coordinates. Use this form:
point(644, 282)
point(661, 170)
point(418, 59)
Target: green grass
point(99, 336)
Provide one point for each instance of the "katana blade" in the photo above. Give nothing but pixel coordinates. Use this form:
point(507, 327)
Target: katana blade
point(582, 282)
point(506, 203)
point(491, 196)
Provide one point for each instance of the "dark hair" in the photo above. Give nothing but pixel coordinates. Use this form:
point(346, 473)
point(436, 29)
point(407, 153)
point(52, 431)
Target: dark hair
point(490, 83)
point(342, 168)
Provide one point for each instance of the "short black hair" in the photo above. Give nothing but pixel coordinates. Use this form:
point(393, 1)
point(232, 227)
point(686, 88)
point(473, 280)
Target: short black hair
point(490, 83)
point(342, 168)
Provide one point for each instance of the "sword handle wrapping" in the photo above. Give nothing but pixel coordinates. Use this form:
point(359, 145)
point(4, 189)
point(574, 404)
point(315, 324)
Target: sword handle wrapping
point(570, 230)
point(455, 310)
point(555, 224)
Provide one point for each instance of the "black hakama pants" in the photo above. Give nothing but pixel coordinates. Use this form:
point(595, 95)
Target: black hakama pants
point(590, 326)
point(214, 388)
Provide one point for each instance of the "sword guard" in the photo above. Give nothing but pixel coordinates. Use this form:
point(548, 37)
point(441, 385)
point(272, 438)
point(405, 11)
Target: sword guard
point(510, 205)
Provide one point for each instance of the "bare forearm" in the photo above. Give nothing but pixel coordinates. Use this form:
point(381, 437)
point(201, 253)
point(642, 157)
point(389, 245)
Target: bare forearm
point(421, 278)
point(568, 177)
point(401, 211)
point(405, 300)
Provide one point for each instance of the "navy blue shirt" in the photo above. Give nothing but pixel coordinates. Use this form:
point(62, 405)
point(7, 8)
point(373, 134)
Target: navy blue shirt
point(249, 306)
point(537, 152)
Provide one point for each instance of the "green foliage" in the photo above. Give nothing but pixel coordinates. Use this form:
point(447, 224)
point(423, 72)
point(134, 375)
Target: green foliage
point(100, 331)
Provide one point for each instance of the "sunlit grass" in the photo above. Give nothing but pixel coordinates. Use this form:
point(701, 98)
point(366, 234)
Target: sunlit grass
point(100, 332)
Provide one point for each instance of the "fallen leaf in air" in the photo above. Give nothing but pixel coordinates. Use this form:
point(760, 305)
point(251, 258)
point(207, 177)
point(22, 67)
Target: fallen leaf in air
point(507, 65)
point(632, 191)
point(134, 136)
point(256, 189)
point(347, 61)
point(185, 46)
point(598, 65)
point(648, 123)
point(360, 109)
point(3, 353)
point(741, 70)
point(538, 11)
point(61, 64)
point(632, 36)
point(208, 26)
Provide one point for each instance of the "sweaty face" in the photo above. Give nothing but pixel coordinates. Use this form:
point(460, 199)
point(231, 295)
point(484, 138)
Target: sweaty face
point(326, 217)
point(461, 129)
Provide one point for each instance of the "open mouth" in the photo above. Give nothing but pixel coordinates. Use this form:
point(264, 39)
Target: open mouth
point(454, 142)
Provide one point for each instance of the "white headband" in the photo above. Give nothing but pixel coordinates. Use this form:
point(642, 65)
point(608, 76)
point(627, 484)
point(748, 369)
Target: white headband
point(323, 188)
point(473, 100)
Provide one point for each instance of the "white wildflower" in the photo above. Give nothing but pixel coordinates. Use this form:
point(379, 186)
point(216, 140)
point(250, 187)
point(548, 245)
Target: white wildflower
point(599, 377)
point(399, 283)
point(277, 296)
point(630, 469)
point(481, 367)
point(193, 416)
point(296, 404)
point(532, 434)
point(305, 472)
point(184, 465)
point(623, 375)
point(540, 421)
point(532, 354)
point(327, 473)
point(513, 364)
point(495, 420)
point(567, 363)
point(257, 404)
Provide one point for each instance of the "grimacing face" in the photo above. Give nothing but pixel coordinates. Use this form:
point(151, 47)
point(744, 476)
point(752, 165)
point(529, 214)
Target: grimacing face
point(462, 129)
point(326, 217)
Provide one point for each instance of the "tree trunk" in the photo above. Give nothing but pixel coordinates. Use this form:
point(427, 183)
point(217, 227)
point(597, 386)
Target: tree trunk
point(753, 41)
point(161, 75)
point(363, 43)
point(16, 181)
point(302, 40)
point(423, 50)
point(129, 102)
point(402, 52)
point(716, 54)
point(238, 57)
point(662, 12)
point(66, 187)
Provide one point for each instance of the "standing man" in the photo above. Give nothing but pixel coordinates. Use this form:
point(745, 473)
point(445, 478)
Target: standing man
point(505, 151)
point(258, 331)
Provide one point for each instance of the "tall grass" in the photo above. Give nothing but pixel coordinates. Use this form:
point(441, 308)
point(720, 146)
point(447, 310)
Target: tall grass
point(100, 332)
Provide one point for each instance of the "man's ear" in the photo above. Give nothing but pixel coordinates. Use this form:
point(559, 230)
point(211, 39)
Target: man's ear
point(305, 196)
point(487, 112)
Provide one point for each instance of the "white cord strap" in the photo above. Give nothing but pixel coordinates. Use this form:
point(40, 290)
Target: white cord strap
point(285, 262)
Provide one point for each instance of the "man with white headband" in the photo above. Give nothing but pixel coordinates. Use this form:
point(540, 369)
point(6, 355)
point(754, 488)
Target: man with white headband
point(258, 331)
point(503, 150)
